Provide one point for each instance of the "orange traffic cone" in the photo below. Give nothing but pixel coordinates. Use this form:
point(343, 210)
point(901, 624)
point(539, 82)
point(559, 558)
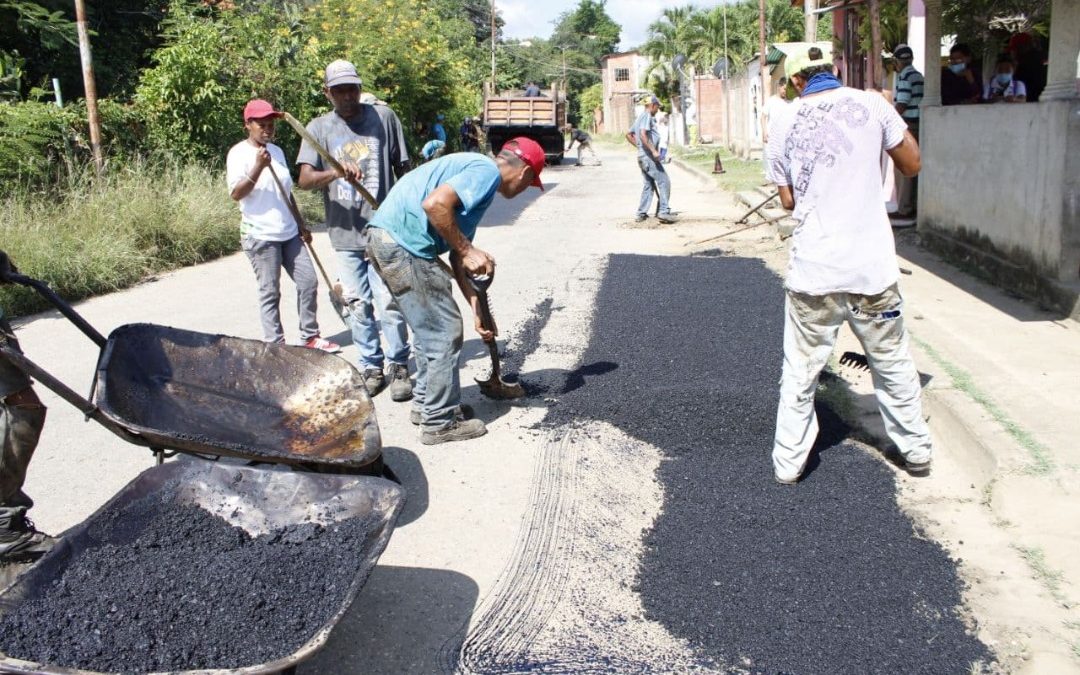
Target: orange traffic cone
point(718, 166)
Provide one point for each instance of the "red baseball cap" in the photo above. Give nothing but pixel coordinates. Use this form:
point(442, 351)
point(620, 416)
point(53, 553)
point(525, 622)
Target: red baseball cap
point(530, 152)
point(257, 109)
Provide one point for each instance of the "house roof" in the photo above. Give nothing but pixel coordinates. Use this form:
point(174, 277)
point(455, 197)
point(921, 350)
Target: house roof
point(605, 57)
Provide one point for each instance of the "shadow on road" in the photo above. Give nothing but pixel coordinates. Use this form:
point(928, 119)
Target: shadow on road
point(400, 623)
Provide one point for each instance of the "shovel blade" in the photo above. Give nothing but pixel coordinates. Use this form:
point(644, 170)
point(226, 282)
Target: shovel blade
point(498, 389)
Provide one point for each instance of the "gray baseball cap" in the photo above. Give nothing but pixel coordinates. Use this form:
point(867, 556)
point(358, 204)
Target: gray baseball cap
point(342, 72)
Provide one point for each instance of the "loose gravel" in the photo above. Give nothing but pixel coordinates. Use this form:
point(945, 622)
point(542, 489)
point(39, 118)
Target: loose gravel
point(828, 576)
point(181, 588)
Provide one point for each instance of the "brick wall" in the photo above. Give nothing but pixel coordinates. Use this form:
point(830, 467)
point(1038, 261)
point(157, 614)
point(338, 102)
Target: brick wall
point(709, 95)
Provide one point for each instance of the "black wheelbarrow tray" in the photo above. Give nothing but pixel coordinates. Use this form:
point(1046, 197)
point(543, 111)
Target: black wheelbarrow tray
point(258, 499)
point(180, 390)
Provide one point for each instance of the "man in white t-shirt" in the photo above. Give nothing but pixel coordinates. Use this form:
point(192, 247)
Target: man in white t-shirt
point(269, 234)
point(824, 157)
point(774, 106)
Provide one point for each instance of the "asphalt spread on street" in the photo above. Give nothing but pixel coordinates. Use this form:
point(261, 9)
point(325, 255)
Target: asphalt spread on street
point(827, 576)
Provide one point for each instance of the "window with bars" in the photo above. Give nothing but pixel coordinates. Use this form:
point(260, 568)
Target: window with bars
point(622, 74)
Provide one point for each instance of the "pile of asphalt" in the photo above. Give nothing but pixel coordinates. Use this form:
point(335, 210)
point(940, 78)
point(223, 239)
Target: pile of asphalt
point(180, 588)
point(825, 576)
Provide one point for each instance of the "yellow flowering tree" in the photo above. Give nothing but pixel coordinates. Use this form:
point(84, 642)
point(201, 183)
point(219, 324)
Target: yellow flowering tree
point(402, 52)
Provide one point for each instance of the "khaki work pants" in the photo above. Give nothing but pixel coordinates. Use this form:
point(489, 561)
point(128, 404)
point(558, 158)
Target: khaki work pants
point(810, 328)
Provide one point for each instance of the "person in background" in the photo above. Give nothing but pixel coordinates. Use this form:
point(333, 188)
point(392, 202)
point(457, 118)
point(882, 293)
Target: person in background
point(433, 149)
point(908, 98)
point(664, 131)
point(438, 131)
point(259, 180)
point(584, 142)
point(1030, 63)
point(960, 84)
point(644, 136)
point(775, 105)
point(532, 89)
point(369, 144)
point(1003, 87)
point(470, 138)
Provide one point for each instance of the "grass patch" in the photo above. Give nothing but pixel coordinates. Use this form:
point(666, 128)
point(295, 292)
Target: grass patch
point(103, 235)
point(740, 174)
point(1042, 464)
point(1046, 575)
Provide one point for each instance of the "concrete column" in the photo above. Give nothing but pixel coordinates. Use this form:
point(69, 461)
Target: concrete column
point(932, 37)
point(1064, 48)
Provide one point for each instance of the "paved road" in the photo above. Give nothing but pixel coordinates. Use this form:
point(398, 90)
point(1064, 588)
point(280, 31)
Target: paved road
point(522, 550)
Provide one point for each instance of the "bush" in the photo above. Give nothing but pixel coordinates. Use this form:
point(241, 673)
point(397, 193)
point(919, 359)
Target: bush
point(41, 145)
point(212, 64)
point(111, 233)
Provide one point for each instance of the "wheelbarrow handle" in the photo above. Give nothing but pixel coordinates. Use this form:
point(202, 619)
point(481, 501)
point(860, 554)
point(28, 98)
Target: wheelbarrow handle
point(59, 303)
point(65, 392)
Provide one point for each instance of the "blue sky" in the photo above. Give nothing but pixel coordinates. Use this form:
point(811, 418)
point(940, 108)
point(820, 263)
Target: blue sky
point(533, 18)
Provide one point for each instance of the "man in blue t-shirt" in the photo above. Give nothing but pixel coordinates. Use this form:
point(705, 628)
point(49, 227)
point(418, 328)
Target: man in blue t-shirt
point(646, 138)
point(434, 210)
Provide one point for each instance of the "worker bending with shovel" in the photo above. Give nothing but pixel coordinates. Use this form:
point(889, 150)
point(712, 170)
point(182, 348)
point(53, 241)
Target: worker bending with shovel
point(824, 156)
point(432, 210)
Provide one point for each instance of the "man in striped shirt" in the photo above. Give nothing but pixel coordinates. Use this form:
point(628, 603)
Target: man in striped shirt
point(909, 93)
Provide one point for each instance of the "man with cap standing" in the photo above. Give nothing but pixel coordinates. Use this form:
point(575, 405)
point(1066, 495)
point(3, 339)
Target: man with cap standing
point(434, 210)
point(908, 99)
point(645, 135)
point(368, 142)
point(259, 180)
point(824, 158)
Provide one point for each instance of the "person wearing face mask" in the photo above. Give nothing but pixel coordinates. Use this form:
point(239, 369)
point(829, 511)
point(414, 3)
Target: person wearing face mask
point(1003, 87)
point(959, 81)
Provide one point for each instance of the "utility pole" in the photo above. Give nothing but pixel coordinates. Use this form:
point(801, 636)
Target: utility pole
point(810, 18)
point(88, 84)
point(762, 65)
point(492, 47)
point(873, 63)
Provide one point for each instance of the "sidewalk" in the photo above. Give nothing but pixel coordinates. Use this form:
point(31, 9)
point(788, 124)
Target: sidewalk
point(1002, 394)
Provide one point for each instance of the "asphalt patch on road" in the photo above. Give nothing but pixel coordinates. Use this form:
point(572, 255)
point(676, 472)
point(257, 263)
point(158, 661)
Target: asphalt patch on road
point(187, 591)
point(828, 576)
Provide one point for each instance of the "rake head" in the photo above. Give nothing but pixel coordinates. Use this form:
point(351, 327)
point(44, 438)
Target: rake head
point(854, 360)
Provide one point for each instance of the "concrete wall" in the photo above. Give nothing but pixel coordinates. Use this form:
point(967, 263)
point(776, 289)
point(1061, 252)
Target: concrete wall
point(1005, 179)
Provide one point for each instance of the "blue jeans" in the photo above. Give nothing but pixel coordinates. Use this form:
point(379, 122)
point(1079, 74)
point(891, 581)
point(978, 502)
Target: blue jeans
point(424, 291)
point(365, 291)
point(655, 178)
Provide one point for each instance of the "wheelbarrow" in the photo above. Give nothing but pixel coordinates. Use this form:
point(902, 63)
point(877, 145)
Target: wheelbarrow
point(176, 390)
point(258, 500)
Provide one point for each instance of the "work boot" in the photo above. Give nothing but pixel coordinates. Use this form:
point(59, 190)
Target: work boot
point(667, 218)
point(20, 541)
point(463, 412)
point(400, 384)
point(374, 380)
point(460, 430)
point(641, 218)
point(917, 469)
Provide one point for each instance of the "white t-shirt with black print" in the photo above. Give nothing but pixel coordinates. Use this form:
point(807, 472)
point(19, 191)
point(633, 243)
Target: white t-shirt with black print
point(828, 147)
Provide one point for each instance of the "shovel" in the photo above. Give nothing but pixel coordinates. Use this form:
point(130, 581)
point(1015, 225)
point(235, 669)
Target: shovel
point(493, 387)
